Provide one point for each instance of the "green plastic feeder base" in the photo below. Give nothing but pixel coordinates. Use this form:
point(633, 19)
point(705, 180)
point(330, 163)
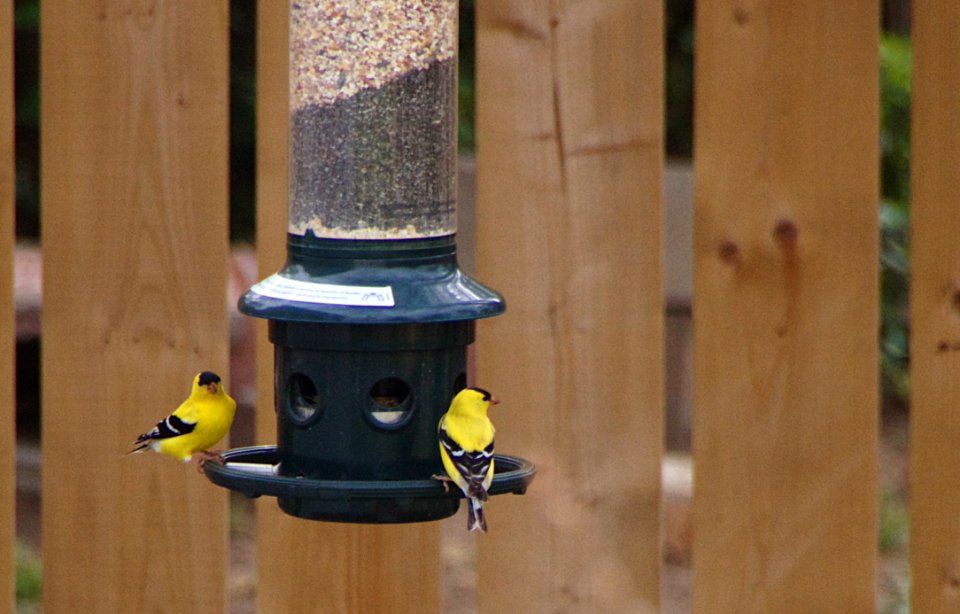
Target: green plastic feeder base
point(370, 345)
point(252, 472)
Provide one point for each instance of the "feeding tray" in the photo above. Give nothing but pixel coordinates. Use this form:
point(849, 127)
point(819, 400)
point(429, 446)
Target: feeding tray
point(253, 472)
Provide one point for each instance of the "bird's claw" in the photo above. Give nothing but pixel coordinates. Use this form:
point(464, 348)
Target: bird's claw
point(208, 457)
point(444, 480)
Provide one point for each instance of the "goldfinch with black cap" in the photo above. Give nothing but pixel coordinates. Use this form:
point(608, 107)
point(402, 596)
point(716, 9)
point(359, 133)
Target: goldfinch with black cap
point(466, 449)
point(194, 427)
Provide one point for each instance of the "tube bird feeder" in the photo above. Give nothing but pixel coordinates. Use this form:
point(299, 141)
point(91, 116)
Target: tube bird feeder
point(371, 316)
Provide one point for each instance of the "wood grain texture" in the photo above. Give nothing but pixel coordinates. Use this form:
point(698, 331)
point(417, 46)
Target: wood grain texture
point(935, 311)
point(346, 568)
point(272, 182)
point(569, 169)
point(134, 222)
point(326, 567)
point(7, 309)
point(785, 306)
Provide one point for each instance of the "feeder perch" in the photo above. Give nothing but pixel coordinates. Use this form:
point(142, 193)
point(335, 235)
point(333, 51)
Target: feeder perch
point(371, 316)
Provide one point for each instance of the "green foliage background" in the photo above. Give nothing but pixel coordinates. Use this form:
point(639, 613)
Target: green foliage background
point(896, 64)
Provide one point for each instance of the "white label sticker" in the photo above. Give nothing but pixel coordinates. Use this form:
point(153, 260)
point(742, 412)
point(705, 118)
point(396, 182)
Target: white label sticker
point(277, 286)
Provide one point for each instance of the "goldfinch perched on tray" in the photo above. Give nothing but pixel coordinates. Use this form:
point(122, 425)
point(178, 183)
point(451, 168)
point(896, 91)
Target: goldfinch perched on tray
point(198, 424)
point(466, 448)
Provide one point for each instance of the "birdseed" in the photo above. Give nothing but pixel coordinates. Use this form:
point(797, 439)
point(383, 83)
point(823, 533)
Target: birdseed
point(373, 118)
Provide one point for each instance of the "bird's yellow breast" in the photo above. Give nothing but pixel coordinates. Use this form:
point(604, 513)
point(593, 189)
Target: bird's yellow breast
point(213, 417)
point(471, 432)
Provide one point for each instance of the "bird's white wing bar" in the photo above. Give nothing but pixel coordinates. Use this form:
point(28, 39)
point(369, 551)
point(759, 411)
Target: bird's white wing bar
point(171, 426)
point(472, 465)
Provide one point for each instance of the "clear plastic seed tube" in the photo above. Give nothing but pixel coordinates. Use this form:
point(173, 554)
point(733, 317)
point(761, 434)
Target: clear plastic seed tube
point(373, 118)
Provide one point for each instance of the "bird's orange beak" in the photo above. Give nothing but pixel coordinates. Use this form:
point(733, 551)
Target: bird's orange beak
point(494, 401)
point(212, 388)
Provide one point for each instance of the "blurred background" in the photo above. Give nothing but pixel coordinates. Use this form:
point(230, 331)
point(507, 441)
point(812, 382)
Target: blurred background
point(895, 76)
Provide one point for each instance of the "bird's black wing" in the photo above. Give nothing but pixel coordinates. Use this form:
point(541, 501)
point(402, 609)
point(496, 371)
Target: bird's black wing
point(171, 426)
point(473, 465)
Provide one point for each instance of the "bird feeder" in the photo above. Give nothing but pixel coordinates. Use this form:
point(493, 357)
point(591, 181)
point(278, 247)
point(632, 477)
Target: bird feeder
point(371, 316)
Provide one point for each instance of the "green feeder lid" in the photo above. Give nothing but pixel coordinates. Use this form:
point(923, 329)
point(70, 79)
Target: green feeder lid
point(371, 282)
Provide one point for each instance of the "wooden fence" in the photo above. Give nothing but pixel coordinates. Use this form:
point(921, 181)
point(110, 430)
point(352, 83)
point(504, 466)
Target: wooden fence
point(570, 116)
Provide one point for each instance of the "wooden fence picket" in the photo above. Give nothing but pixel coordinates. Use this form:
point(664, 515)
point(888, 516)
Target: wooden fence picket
point(7, 318)
point(935, 310)
point(278, 590)
point(135, 242)
point(569, 161)
point(785, 306)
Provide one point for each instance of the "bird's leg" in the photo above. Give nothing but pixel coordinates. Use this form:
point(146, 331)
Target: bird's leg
point(206, 456)
point(445, 480)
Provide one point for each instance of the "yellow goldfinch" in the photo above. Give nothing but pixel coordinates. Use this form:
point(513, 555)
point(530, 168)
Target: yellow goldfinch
point(198, 424)
point(466, 448)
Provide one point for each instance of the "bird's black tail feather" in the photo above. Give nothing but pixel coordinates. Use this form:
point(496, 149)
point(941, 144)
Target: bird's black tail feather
point(140, 448)
point(475, 518)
